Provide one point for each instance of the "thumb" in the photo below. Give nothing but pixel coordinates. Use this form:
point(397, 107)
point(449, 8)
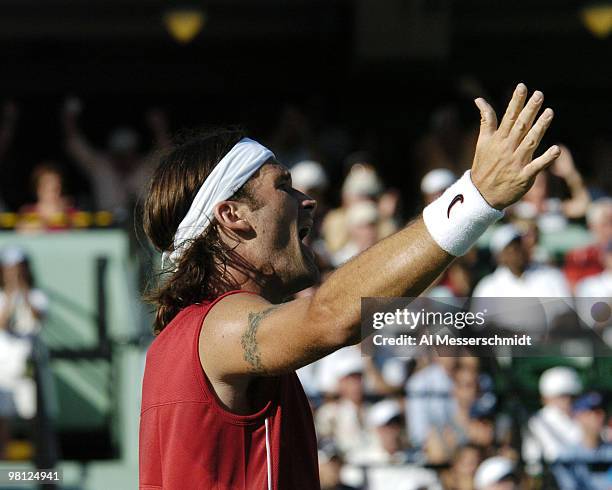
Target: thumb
point(488, 118)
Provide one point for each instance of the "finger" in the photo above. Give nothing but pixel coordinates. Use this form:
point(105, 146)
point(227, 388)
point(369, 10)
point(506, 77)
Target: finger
point(514, 109)
point(526, 118)
point(488, 118)
point(536, 133)
point(546, 159)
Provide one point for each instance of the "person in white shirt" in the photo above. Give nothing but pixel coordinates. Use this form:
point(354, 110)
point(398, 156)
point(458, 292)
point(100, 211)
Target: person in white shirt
point(120, 175)
point(552, 432)
point(429, 401)
point(344, 420)
point(386, 462)
point(516, 277)
point(386, 421)
point(22, 306)
point(22, 310)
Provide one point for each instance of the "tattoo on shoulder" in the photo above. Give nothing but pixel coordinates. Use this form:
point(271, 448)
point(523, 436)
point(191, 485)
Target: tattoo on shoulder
point(249, 341)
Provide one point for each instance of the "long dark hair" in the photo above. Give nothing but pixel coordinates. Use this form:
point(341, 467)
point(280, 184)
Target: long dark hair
point(201, 272)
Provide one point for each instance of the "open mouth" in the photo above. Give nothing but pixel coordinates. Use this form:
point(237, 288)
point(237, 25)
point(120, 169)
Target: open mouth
point(304, 231)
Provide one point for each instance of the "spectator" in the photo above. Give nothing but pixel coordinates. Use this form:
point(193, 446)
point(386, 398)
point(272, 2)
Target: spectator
point(361, 184)
point(552, 213)
point(52, 210)
point(22, 306)
point(362, 221)
point(389, 446)
point(582, 468)
point(387, 458)
point(22, 310)
point(496, 473)
point(481, 423)
point(552, 433)
point(460, 475)
point(119, 174)
point(330, 469)
point(465, 395)
point(344, 420)
point(471, 420)
point(516, 277)
point(595, 289)
point(587, 261)
point(590, 414)
point(429, 401)
point(435, 182)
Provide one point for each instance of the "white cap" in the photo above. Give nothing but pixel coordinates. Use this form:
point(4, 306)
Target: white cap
point(347, 365)
point(12, 255)
point(559, 381)
point(502, 237)
point(362, 181)
point(308, 174)
point(491, 471)
point(362, 213)
point(437, 180)
point(383, 412)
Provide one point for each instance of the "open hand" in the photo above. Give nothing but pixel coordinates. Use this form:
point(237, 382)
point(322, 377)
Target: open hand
point(504, 168)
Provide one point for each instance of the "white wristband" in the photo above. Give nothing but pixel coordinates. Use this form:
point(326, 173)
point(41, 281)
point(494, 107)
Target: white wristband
point(459, 216)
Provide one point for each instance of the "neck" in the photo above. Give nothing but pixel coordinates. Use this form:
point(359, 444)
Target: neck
point(517, 271)
point(253, 281)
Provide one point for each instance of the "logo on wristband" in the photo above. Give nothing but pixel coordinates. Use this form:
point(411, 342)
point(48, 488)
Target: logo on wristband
point(456, 199)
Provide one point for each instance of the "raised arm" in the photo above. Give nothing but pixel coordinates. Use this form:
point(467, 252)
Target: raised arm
point(564, 167)
point(76, 144)
point(244, 334)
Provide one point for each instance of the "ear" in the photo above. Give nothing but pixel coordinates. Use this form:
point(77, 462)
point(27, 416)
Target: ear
point(231, 215)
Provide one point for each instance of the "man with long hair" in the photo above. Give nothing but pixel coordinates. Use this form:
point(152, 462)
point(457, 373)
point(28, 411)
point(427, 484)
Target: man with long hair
point(222, 407)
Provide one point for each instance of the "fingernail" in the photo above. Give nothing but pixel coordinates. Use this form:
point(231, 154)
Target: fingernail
point(521, 88)
point(555, 149)
point(549, 113)
point(537, 96)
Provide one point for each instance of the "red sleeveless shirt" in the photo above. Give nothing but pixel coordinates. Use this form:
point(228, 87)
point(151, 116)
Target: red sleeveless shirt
point(188, 441)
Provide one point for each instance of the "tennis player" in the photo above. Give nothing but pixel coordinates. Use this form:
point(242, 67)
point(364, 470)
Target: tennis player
point(222, 407)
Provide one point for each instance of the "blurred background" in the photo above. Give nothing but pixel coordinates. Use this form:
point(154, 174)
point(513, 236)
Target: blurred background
point(370, 103)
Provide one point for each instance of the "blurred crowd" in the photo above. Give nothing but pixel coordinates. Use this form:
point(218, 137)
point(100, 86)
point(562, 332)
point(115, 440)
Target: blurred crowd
point(429, 422)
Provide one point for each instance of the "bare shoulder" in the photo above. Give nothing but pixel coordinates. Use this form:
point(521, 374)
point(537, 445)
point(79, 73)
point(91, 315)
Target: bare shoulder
point(227, 342)
point(232, 313)
point(246, 335)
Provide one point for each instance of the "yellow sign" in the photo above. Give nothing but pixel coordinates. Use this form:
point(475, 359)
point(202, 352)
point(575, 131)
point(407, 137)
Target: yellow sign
point(184, 25)
point(598, 20)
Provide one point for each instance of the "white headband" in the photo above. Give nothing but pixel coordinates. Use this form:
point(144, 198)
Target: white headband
point(229, 175)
